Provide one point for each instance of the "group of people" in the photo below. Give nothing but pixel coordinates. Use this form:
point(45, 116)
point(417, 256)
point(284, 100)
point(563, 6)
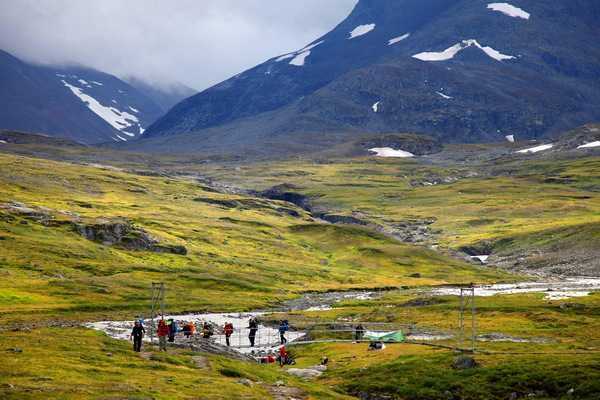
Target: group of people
point(284, 326)
point(283, 357)
point(168, 329)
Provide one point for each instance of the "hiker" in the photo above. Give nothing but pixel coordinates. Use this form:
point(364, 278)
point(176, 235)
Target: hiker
point(173, 328)
point(137, 334)
point(283, 356)
point(283, 328)
point(359, 333)
point(228, 331)
point(253, 326)
point(189, 329)
point(207, 330)
point(162, 332)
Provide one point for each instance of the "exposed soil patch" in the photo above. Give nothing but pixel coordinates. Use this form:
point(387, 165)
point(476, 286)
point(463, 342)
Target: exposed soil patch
point(281, 392)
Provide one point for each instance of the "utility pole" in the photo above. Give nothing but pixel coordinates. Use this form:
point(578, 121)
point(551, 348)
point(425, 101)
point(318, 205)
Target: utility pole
point(467, 303)
point(157, 306)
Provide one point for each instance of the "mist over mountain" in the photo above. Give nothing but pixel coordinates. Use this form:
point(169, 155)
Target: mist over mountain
point(77, 103)
point(164, 96)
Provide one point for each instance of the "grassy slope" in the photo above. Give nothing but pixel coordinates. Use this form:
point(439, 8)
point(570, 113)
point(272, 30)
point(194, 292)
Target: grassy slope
point(83, 364)
point(254, 253)
point(520, 198)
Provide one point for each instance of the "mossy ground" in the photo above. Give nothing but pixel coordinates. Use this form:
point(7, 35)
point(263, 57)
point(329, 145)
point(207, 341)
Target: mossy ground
point(254, 255)
point(564, 353)
point(488, 202)
point(245, 257)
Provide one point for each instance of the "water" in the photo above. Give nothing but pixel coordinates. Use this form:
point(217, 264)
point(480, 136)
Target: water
point(267, 338)
point(555, 290)
point(326, 301)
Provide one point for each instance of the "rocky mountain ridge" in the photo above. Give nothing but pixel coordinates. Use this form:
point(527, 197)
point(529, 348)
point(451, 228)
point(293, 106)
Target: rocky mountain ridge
point(461, 71)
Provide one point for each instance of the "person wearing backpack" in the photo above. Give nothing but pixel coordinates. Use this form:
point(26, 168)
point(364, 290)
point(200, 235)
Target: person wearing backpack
point(283, 356)
point(228, 331)
point(137, 334)
point(253, 327)
point(173, 328)
point(283, 328)
point(207, 330)
point(162, 332)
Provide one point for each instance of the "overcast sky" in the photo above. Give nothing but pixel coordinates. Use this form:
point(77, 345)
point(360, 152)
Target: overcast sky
point(196, 42)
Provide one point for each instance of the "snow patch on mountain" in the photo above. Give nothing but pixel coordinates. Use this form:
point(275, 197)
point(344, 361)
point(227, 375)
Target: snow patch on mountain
point(361, 30)
point(510, 138)
point(375, 107)
point(120, 120)
point(509, 9)
point(299, 57)
point(389, 152)
point(452, 51)
point(84, 82)
point(445, 96)
point(589, 145)
point(398, 39)
point(536, 149)
point(285, 57)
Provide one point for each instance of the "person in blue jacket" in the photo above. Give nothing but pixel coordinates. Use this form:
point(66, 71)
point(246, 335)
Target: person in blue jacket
point(284, 326)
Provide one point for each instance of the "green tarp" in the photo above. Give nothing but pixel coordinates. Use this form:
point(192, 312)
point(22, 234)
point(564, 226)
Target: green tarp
point(385, 337)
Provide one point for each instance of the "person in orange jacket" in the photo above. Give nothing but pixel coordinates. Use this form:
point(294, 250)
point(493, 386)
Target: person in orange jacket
point(162, 332)
point(192, 328)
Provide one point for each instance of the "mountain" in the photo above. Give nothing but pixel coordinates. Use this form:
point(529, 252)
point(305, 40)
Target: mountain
point(164, 96)
point(458, 70)
point(77, 103)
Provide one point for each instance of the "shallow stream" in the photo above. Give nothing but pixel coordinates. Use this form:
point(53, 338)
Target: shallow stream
point(267, 338)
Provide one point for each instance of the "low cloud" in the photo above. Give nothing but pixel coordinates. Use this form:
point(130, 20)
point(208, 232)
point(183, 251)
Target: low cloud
point(198, 43)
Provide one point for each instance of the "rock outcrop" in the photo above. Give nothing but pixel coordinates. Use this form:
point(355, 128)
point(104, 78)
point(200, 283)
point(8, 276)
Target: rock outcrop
point(122, 233)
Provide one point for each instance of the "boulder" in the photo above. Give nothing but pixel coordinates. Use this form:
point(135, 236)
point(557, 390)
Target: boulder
point(245, 382)
point(464, 362)
point(308, 373)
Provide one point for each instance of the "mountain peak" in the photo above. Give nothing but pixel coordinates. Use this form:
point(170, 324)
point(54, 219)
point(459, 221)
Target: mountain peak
point(519, 66)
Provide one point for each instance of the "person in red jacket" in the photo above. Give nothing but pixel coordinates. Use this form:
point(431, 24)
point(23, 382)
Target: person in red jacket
point(163, 332)
point(283, 356)
point(228, 331)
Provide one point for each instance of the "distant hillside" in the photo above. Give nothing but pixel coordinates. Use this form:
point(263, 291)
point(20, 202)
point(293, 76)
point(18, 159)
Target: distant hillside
point(77, 103)
point(458, 70)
